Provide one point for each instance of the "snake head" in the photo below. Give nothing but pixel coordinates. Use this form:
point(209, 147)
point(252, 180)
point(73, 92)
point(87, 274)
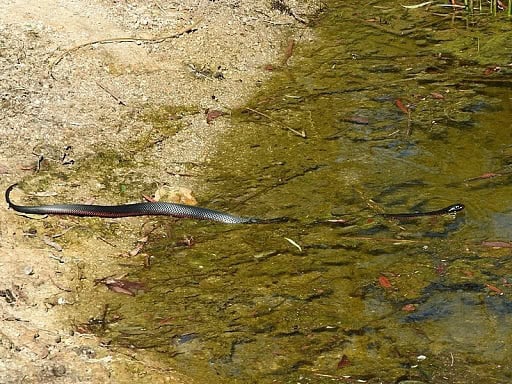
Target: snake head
point(453, 209)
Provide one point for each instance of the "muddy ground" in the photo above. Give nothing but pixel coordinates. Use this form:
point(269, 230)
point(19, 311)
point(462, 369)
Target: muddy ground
point(84, 87)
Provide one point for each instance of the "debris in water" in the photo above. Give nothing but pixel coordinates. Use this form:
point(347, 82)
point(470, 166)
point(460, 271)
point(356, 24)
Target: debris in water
point(384, 282)
point(436, 95)
point(125, 287)
point(289, 51)
point(356, 120)
point(497, 244)
point(487, 175)
point(344, 361)
point(426, 3)
point(401, 106)
point(294, 243)
point(409, 308)
point(494, 289)
point(491, 69)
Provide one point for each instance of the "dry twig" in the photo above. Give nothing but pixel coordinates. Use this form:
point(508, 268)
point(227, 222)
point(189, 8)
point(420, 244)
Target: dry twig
point(121, 40)
point(114, 96)
point(294, 131)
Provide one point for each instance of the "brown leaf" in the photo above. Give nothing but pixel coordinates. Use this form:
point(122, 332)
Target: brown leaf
point(289, 51)
point(384, 282)
point(344, 361)
point(166, 321)
point(357, 120)
point(212, 114)
point(497, 244)
point(409, 308)
point(52, 243)
point(491, 69)
point(116, 289)
point(487, 175)
point(149, 199)
point(187, 241)
point(436, 95)
point(494, 289)
point(441, 269)
point(83, 329)
point(122, 286)
point(401, 106)
point(135, 251)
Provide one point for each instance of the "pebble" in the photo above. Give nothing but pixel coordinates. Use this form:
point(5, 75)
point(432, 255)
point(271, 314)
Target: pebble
point(59, 370)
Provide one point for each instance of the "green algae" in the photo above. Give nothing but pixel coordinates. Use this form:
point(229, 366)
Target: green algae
point(168, 119)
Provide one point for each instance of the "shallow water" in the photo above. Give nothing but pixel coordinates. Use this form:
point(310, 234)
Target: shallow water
point(317, 301)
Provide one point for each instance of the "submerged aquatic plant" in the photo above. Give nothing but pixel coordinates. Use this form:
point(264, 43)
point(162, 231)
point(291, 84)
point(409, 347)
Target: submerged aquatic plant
point(494, 6)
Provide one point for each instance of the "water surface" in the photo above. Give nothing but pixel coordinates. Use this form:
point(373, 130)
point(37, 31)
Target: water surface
point(361, 298)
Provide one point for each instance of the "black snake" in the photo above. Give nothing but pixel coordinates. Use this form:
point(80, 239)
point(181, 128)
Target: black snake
point(179, 210)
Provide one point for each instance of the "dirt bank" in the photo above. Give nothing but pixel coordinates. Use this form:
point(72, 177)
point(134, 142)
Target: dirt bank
point(98, 93)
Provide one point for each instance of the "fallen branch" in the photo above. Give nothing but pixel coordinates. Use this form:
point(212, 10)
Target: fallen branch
point(382, 239)
point(155, 40)
point(294, 131)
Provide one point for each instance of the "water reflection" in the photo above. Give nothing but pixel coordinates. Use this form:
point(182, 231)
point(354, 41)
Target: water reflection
point(360, 298)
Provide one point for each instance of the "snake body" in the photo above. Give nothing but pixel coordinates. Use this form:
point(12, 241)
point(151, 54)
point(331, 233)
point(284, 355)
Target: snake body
point(138, 209)
point(180, 211)
point(450, 210)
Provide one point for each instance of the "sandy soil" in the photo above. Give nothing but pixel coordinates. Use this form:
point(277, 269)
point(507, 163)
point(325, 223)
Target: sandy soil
point(61, 100)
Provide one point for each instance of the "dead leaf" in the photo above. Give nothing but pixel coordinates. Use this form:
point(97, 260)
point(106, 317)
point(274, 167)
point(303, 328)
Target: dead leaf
point(48, 241)
point(289, 51)
point(487, 175)
point(212, 114)
point(409, 308)
point(125, 287)
point(356, 120)
point(401, 106)
point(140, 245)
point(384, 282)
point(436, 95)
point(491, 69)
point(494, 289)
point(344, 361)
point(497, 244)
point(187, 241)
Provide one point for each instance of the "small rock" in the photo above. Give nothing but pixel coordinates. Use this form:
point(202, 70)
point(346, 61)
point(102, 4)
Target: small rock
point(61, 301)
point(59, 370)
point(85, 351)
